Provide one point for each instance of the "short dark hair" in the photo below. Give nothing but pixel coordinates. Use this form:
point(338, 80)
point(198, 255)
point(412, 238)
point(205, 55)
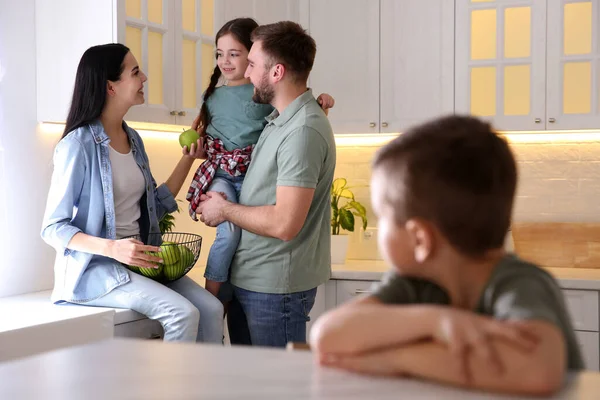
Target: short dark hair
point(287, 43)
point(457, 173)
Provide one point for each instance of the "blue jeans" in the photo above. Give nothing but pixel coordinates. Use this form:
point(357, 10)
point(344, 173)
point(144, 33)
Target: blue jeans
point(266, 319)
point(228, 235)
point(186, 311)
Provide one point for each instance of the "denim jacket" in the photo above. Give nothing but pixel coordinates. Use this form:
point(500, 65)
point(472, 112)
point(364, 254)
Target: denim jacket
point(81, 200)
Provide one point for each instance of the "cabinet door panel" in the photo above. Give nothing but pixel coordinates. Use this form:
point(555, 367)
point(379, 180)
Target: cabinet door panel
point(417, 62)
point(146, 27)
point(263, 11)
point(500, 63)
point(347, 61)
point(573, 82)
point(194, 55)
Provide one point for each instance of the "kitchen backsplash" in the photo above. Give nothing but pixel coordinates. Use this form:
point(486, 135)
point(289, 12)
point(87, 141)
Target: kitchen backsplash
point(558, 182)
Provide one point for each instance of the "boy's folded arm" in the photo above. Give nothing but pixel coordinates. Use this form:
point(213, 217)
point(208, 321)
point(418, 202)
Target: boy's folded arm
point(540, 371)
point(367, 324)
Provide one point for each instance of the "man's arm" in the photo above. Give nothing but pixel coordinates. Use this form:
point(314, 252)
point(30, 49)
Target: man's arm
point(284, 220)
point(538, 372)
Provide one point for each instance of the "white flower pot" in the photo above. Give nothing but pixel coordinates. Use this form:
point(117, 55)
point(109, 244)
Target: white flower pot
point(339, 248)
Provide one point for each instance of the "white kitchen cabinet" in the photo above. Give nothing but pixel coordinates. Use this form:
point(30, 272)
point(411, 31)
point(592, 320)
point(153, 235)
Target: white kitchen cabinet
point(173, 40)
point(527, 64)
point(263, 11)
point(389, 64)
point(589, 343)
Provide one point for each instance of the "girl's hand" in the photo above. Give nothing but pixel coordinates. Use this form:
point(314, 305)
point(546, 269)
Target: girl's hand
point(133, 252)
point(197, 149)
point(326, 102)
point(196, 124)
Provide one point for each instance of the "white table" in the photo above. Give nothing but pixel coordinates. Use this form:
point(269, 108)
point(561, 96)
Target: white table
point(136, 369)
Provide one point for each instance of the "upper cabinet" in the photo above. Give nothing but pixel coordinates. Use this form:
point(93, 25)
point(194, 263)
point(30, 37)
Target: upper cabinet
point(389, 64)
point(172, 40)
point(528, 64)
point(573, 65)
point(263, 11)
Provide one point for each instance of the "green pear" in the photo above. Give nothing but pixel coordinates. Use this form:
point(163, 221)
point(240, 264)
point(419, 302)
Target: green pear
point(188, 137)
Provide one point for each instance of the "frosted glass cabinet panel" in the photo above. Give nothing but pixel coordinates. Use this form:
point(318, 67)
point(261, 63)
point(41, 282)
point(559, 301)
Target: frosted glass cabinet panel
point(500, 62)
point(573, 65)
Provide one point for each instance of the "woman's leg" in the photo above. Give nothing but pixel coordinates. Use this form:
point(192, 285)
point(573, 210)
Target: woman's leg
point(177, 315)
point(210, 325)
point(226, 242)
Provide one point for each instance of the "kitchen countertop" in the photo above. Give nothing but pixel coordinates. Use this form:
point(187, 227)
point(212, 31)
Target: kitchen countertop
point(371, 270)
point(148, 369)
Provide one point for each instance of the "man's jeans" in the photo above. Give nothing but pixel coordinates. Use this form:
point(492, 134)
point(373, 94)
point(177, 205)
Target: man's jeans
point(266, 319)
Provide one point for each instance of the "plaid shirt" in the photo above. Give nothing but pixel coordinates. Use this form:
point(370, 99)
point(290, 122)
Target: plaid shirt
point(235, 163)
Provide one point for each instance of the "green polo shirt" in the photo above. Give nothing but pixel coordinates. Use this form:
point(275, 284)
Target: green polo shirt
point(297, 149)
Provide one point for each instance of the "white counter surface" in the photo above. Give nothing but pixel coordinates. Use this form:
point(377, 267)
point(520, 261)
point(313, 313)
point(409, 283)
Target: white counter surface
point(135, 369)
point(370, 270)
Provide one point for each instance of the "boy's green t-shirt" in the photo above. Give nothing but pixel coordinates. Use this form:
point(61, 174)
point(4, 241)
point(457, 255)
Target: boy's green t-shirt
point(516, 290)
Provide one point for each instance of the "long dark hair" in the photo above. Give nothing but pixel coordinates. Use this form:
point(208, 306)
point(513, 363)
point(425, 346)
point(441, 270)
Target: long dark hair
point(98, 65)
point(241, 29)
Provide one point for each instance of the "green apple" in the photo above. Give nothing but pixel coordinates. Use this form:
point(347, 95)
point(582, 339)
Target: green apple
point(134, 269)
point(153, 273)
point(176, 271)
point(188, 137)
point(170, 253)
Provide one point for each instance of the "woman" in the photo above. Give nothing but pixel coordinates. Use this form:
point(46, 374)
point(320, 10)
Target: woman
point(102, 191)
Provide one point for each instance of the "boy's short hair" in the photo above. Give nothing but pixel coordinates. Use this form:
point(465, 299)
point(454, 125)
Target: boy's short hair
point(457, 173)
point(287, 43)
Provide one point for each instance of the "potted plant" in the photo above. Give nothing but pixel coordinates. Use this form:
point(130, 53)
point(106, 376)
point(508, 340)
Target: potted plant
point(344, 209)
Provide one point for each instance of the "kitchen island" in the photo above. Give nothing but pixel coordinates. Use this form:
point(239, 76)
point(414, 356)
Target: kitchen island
point(136, 369)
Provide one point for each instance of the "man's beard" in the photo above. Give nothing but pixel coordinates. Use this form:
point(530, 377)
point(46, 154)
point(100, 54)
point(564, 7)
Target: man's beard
point(263, 93)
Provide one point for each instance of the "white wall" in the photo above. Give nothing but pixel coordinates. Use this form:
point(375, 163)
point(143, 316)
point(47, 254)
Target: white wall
point(26, 263)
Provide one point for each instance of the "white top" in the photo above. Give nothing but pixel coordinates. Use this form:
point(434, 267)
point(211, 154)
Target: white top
point(128, 189)
point(149, 369)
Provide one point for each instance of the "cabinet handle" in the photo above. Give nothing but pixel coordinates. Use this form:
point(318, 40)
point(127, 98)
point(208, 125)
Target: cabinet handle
point(372, 124)
point(358, 291)
point(384, 124)
point(173, 113)
point(181, 113)
point(551, 120)
point(538, 120)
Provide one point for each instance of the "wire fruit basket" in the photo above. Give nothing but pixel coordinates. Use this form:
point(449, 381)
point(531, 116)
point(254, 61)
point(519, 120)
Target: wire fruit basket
point(180, 252)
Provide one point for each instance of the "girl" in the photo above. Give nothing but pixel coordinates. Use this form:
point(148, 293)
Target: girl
point(229, 124)
point(102, 191)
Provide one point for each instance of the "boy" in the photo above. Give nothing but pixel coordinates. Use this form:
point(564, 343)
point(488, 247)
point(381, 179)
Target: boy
point(455, 308)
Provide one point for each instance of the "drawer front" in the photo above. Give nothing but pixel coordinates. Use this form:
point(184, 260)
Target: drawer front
point(589, 343)
point(141, 329)
point(346, 290)
point(583, 307)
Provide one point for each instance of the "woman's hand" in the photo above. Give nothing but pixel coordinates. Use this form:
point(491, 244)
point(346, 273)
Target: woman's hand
point(197, 150)
point(135, 253)
point(326, 102)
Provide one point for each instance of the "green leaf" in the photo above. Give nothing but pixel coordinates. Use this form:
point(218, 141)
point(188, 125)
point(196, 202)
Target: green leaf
point(338, 185)
point(346, 220)
point(347, 194)
point(358, 207)
point(364, 220)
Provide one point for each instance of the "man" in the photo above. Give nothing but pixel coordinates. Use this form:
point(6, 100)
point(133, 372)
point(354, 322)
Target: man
point(283, 210)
